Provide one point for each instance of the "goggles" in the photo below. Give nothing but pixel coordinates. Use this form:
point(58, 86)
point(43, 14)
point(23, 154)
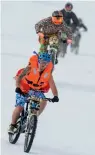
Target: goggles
point(57, 19)
point(58, 16)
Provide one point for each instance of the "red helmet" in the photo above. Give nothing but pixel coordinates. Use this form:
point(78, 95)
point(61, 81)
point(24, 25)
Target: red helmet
point(57, 17)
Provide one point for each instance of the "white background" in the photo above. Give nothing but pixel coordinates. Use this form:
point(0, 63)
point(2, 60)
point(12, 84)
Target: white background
point(67, 127)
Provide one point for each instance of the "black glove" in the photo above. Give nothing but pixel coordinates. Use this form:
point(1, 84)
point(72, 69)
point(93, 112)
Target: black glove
point(64, 41)
point(18, 90)
point(55, 99)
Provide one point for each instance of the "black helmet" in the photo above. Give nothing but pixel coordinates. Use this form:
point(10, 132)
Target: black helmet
point(57, 14)
point(69, 5)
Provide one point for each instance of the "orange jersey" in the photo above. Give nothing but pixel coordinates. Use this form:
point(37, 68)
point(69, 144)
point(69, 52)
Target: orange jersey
point(33, 80)
point(36, 80)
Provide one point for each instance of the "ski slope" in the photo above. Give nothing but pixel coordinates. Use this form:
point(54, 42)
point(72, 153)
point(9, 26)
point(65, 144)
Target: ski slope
point(64, 128)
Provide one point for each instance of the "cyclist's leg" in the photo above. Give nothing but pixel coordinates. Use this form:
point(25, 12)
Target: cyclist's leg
point(42, 107)
point(20, 101)
point(62, 47)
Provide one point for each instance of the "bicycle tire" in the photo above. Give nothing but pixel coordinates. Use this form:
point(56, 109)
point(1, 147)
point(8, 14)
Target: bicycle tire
point(27, 145)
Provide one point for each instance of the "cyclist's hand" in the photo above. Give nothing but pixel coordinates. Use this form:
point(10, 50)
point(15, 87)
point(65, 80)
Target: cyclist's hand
point(55, 99)
point(18, 90)
point(41, 35)
point(69, 41)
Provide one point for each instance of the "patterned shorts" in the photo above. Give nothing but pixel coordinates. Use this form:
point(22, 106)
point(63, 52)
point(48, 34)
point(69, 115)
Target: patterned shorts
point(21, 100)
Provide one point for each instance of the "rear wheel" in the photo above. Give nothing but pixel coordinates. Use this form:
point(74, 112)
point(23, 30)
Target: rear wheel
point(30, 132)
point(53, 58)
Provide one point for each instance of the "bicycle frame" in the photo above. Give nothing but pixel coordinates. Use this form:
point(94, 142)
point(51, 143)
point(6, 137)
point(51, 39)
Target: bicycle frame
point(32, 119)
point(53, 47)
point(34, 104)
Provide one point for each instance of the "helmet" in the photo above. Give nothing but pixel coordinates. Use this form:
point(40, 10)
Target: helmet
point(57, 17)
point(57, 14)
point(44, 56)
point(69, 6)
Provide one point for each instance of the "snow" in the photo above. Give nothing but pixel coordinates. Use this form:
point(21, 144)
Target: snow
point(64, 128)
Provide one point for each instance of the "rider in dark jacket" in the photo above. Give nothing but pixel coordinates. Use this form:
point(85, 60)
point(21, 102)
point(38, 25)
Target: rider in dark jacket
point(71, 20)
point(69, 16)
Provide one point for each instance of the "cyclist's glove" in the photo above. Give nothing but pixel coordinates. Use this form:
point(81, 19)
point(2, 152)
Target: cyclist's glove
point(18, 90)
point(55, 99)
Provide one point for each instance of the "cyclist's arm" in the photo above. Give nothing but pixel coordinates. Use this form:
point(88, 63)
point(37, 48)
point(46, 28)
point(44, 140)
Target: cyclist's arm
point(40, 25)
point(24, 72)
point(83, 26)
point(53, 86)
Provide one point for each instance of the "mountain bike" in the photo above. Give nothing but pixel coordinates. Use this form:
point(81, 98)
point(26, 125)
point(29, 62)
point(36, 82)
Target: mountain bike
point(76, 41)
point(27, 122)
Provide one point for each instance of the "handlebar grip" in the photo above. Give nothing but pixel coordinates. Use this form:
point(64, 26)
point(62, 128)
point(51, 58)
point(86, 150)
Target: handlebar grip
point(48, 99)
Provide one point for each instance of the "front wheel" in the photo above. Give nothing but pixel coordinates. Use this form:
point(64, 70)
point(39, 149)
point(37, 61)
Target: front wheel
point(77, 50)
point(53, 58)
point(62, 48)
point(30, 132)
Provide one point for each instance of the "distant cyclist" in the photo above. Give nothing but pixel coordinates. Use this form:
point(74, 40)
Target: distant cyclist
point(70, 17)
point(71, 20)
point(52, 26)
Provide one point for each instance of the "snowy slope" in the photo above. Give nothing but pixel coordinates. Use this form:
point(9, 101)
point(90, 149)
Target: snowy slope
point(64, 128)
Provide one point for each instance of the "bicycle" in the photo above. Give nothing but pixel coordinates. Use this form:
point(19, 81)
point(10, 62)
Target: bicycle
point(27, 122)
point(75, 41)
point(53, 48)
point(63, 44)
point(58, 45)
point(54, 44)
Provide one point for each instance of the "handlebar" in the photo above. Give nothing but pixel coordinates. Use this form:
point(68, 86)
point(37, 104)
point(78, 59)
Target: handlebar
point(33, 98)
point(48, 99)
